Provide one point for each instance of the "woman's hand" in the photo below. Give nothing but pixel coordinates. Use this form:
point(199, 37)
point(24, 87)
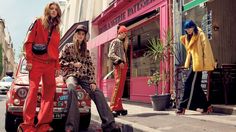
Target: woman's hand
point(121, 65)
point(93, 86)
point(29, 66)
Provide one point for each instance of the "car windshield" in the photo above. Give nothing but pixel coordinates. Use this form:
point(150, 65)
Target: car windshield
point(23, 67)
point(6, 79)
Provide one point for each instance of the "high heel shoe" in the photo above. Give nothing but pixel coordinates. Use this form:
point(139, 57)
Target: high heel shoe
point(119, 112)
point(209, 109)
point(180, 111)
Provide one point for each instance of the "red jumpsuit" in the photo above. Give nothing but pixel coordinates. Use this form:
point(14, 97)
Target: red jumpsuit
point(43, 66)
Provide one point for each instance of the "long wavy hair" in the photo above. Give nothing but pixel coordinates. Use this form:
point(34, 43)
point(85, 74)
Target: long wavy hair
point(82, 47)
point(46, 16)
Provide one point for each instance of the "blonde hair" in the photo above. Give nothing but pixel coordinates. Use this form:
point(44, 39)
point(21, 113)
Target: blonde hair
point(46, 16)
point(82, 47)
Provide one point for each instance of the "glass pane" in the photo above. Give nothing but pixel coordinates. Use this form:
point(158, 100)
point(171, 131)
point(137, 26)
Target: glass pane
point(9, 79)
point(6, 79)
point(141, 65)
point(23, 67)
point(107, 66)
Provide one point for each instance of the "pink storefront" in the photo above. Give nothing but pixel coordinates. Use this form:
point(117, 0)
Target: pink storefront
point(145, 19)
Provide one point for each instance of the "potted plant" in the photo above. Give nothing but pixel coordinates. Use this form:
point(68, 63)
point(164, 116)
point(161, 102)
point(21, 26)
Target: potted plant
point(159, 101)
point(159, 50)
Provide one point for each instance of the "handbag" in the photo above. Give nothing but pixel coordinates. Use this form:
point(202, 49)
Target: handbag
point(40, 49)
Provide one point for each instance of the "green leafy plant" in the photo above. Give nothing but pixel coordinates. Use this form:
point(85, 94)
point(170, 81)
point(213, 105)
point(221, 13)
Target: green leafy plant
point(159, 50)
point(155, 78)
point(155, 49)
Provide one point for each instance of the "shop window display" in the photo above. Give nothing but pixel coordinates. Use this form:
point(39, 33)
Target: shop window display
point(141, 65)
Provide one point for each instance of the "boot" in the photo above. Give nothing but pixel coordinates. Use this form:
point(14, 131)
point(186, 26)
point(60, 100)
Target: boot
point(180, 111)
point(122, 112)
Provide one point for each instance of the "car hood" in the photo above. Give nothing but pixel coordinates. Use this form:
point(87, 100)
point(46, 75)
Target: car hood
point(24, 80)
point(5, 84)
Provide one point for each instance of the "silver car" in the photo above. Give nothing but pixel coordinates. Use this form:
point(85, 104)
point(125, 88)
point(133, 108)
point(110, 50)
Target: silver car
point(5, 84)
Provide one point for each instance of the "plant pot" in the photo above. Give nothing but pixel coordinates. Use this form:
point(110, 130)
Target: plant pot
point(160, 102)
point(168, 100)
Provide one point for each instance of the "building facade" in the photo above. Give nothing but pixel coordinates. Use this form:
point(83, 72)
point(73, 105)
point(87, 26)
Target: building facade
point(74, 11)
point(145, 19)
point(7, 64)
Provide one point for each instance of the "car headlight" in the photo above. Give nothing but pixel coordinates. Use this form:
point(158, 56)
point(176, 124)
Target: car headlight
point(80, 95)
point(22, 92)
point(83, 103)
point(16, 101)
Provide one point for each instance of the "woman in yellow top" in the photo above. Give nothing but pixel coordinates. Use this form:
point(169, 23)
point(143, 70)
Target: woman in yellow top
point(199, 58)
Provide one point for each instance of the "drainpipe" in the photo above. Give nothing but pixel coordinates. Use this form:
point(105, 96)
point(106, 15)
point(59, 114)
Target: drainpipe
point(177, 31)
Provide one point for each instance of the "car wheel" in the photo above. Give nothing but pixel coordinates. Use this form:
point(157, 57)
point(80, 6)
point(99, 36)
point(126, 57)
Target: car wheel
point(58, 125)
point(11, 122)
point(85, 121)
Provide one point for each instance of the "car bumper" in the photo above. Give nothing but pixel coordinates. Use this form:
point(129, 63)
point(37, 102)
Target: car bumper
point(55, 110)
point(3, 91)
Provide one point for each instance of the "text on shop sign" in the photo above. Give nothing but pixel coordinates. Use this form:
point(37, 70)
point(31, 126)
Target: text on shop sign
point(127, 13)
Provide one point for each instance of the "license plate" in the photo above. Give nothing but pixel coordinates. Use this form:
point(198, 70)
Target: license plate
point(57, 116)
point(63, 98)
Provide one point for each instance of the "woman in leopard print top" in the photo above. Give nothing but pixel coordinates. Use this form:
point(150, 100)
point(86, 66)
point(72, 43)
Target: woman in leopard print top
point(76, 61)
point(77, 69)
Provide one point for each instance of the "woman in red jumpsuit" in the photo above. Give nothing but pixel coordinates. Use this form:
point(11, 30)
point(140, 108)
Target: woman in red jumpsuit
point(44, 31)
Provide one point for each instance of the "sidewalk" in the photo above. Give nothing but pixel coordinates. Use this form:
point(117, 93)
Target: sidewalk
point(143, 119)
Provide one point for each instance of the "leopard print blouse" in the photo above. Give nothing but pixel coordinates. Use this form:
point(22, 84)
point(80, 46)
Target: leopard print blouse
point(70, 55)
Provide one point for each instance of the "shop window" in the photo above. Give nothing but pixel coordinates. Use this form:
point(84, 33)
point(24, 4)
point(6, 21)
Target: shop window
point(107, 66)
point(141, 65)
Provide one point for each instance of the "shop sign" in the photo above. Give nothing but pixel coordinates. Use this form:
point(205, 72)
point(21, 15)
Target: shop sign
point(125, 14)
point(206, 24)
point(193, 4)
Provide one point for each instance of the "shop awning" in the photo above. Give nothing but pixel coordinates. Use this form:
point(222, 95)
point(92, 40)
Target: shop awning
point(112, 32)
point(102, 38)
point(141, 17)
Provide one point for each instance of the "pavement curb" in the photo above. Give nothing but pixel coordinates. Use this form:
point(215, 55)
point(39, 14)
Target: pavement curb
point(224, 109)
point(136, 127)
